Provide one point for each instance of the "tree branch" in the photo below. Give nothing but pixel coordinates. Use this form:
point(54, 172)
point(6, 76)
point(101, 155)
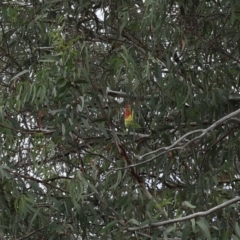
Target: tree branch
point(232, 97)
point(202, 131)
point(181, 219)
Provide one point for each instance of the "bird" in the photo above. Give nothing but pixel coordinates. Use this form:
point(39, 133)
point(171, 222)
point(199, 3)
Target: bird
point(129, 121)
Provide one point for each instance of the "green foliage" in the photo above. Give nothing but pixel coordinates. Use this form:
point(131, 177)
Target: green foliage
point(67, 70)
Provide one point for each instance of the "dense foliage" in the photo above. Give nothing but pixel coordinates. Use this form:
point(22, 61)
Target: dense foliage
point(69, 169)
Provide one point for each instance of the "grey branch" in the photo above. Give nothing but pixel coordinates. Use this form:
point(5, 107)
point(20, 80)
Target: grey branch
point(181, 219)
point(112, 93)
point(15, 3)
point(202, 131)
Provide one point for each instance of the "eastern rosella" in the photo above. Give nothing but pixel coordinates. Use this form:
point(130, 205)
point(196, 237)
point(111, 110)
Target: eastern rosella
point(129, 119)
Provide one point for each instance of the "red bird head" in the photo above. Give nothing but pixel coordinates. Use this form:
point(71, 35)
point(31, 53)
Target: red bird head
point(127, 111)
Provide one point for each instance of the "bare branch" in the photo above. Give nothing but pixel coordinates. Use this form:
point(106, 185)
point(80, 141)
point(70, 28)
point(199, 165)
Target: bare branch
point(194, 215)
point(203, 133)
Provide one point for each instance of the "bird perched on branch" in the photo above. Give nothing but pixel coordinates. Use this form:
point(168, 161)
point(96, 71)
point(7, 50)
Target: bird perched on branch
point(129, 118)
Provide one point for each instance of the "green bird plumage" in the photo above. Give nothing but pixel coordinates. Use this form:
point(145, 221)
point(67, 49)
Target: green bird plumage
point(129, 119)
